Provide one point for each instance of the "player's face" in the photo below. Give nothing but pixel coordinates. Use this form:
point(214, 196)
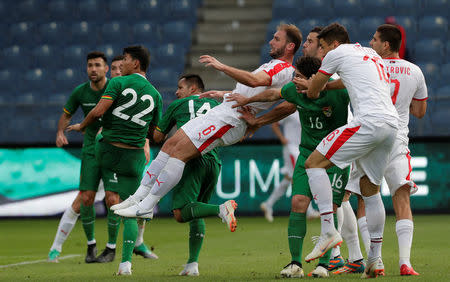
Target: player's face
point(96, 69)
point(116, 68)
point(278, 44)
point(311, 45)
point(299, 75)
point(128, 65)
point(376, 43)
point(183, 90)
point(326, 47)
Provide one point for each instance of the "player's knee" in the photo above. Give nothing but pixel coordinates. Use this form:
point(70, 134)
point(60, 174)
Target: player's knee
point(177, 216)
point(88, 198)
point(111, 198)
point(346, 196)
point(300, 203)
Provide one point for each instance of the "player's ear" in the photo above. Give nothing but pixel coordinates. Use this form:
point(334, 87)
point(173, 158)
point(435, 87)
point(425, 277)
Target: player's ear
point(291, 46)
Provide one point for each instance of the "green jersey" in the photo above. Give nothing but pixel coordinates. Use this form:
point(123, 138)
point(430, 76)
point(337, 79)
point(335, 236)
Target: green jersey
point(137, 104)
point(318, 117)
point(87, 98)
point(183, 110)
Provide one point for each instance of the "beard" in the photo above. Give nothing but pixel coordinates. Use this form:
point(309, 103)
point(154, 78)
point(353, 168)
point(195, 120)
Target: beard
point(277, 53)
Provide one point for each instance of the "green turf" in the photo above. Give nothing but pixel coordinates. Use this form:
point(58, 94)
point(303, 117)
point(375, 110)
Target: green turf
point(256, 251)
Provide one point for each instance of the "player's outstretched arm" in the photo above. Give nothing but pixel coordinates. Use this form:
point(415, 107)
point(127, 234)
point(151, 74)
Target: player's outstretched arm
point(102, 106)
point(214, 94)
point(318, 82)
point(335, 85)
point(269, 95)
point(250, 79)
point(63, 122)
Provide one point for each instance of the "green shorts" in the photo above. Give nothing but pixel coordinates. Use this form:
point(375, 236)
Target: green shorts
point(338, 179)
point(121, 168)
point(197, 184)
point(90, 174)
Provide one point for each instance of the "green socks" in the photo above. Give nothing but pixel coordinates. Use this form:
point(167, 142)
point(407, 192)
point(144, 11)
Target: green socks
point(325, 259)
point(87, 215)
point(196, 234)
point(113, 226)
point(198, 210)
point(130, 232)
point(296, 234)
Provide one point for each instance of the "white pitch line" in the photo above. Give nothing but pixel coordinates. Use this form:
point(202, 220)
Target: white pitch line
point(37, 261)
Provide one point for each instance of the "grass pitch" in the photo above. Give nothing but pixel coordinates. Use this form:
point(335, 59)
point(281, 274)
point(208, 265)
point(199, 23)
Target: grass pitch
point(256, 251)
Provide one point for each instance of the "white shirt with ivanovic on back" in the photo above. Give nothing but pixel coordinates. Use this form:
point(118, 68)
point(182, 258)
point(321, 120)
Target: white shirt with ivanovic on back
point(407, 84)
point(362, 72)
point(280, 72)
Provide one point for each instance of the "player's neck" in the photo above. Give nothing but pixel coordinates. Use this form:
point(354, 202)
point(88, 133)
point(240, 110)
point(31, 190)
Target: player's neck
point(99, 85)
point(286, 58)
point(391, 55)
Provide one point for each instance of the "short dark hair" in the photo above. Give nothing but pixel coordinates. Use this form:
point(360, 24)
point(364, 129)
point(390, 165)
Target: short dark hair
point(95, 55)
point(293, 34)
point(194, 79)
point(308, 65)
point(334, 32)
point(391, 34)
point(117, 58)
point(316, 29)
point(140, 53)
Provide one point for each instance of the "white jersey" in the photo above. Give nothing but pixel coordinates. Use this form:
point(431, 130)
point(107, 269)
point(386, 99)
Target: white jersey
point(407, 84)
point(280, 72)
point(362, 72)
point(292, 128)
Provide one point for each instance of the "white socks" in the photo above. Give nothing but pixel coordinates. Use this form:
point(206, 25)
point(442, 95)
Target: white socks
point(167, 179)
point(65, 226)
point(404, 229)
point(321, 191)
point(375, 216)
point(365, 237)
point(150, 175)
point(141, 229)
point(350, 232)
point(278, 192)
point(336, 251)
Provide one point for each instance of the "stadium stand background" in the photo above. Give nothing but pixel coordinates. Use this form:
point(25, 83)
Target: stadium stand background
point(44, 45)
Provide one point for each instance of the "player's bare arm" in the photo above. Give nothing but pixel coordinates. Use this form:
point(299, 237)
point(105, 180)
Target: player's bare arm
point(250, 79)
point(63, 122)
point(318, 82)
point(214, 94)
point(418, 108)
point(158, 136)
point(147, 151)
point(102, 106)
point(269, 95)
point(334, 85)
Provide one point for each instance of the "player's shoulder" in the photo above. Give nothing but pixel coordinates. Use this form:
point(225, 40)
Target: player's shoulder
point(278, 64)
point(82, 87)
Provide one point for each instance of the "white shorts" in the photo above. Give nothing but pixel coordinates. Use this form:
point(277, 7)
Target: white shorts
point(290, 155)
point(220, 126)
point(397, 174)
point(367, 142)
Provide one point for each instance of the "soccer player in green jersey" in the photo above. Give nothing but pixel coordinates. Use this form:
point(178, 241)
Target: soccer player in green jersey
point(318, 118)
point(85, 96)
point(192, 194)
point(129, 107)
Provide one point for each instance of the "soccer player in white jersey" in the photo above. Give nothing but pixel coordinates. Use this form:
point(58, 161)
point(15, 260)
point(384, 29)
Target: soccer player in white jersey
point(221, 126)
point(290, 139)
point(409, 95)
point(367, 139)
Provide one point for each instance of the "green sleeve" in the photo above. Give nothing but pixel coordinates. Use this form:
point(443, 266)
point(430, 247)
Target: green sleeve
point(113, 89)
point(289, 92)
point(168, 119)
point(157, 112)
point(73, 102)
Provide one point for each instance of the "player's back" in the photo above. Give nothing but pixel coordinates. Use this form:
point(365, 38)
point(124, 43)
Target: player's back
point(407, 83)
point(361, 70)
point(136, 104)
point(292, 128)
point(280, 73)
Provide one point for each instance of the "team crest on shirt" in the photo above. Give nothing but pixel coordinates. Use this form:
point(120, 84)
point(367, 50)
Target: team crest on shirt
point(327, 111)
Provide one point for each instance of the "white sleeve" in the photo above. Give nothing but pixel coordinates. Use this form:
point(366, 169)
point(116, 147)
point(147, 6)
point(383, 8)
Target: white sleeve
point(331, 62)
point(421, 91)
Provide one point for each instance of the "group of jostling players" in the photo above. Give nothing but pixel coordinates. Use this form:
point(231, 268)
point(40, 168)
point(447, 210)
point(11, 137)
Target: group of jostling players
point(381, 88)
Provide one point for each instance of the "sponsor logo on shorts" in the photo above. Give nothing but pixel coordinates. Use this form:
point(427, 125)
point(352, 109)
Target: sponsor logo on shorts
point(114, 180)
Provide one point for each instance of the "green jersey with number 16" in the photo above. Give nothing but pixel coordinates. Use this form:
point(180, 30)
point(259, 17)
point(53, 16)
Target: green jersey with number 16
point(318, 117)
point(136, 104)
point(183, 110)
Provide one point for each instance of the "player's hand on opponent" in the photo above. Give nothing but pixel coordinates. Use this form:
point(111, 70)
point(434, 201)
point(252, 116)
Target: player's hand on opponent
point(250, 118)
point(214, 94)
point(75, 127)
point(301, 84)
point(61, 139)
point(238, 98)
point(210, 61)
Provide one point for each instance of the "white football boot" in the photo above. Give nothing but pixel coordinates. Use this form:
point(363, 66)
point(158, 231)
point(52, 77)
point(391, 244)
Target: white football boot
point(326, 241)
point(190, 269)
